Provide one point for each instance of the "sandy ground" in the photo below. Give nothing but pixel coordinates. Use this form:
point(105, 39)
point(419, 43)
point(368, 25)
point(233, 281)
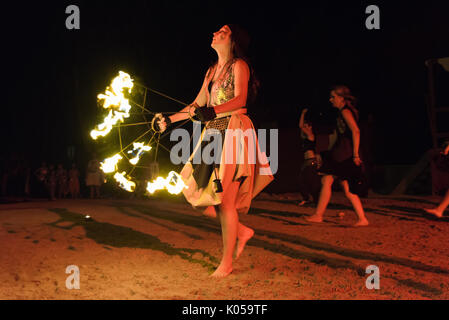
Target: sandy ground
point(162, 249)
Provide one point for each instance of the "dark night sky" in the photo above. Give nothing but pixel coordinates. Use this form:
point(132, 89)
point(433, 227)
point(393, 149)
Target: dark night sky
point(52, 75)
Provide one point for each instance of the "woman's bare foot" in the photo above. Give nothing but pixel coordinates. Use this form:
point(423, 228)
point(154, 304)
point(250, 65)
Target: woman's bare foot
point(222, 272)
point(242, 239)
point(435, 212)
point(315, 218)
point(362, 223)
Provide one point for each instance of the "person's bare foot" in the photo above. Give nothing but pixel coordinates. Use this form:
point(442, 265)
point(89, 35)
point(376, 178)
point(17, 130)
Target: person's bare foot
point(221, 272)
point(362, 223)
point(242, 239)
point(315, 218)
point(435, 212)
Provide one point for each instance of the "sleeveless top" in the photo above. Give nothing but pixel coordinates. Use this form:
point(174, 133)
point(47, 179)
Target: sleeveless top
point(221, 90)
point(308, 145)
point(343, 148)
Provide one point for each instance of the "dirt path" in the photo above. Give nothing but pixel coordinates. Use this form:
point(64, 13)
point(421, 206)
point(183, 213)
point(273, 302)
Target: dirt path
point(159, 249)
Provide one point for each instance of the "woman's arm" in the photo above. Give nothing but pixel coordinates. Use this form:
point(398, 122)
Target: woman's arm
point(301, 118)
point(352, 124)
point(241, 79)
point(306, 129)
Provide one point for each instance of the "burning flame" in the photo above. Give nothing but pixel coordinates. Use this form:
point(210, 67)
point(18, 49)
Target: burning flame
point(124, 183)
point(110, 165)
point(114, 99)
point(116, 96)
point(173, 183)
point(139, 148)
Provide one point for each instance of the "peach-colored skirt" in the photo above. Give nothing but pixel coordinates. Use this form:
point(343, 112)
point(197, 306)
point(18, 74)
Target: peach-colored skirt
point(241, 160)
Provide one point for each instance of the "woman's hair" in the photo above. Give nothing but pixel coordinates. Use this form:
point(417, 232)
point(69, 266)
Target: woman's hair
point(240, 41)
point(350, 100)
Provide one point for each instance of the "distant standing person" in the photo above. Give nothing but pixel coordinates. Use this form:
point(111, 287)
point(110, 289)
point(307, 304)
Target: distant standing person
point(344, 163)
point(309, 180)
point(51, 182)
point(41, 178)
point(74, 182)
point(94, 177)
point(61, 176)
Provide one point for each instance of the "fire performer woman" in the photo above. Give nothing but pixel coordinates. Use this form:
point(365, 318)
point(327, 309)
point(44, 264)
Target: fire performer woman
point(345, 163)
point(228, 187)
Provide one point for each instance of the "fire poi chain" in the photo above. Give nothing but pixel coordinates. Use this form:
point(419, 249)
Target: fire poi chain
point(119, 107)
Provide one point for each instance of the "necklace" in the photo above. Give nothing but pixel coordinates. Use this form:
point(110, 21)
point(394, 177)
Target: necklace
point(220, 73)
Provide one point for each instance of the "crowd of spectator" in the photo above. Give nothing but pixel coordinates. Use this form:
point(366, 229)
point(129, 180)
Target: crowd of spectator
point(48, 180)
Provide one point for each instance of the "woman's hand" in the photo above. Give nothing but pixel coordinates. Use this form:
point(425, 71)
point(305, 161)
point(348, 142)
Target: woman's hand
point(192, 109)
point(357, 161)
point(160, 123)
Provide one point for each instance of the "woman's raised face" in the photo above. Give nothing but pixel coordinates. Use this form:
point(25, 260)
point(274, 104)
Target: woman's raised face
point(222, 37)
point(336, 100)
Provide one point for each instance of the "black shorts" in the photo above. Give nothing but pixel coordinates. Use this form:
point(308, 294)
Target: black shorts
point(344, 170)
point(347, 170)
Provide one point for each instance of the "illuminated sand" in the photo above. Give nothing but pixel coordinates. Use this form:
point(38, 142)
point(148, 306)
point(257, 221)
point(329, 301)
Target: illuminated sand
point(154, 249)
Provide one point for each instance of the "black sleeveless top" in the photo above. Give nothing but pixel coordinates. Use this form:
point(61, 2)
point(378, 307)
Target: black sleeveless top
point(308, 145)
point(343, 148)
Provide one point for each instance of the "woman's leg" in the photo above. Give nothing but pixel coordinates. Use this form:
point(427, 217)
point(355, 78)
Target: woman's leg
point(243, 235)
point(438, 211)
point(356, 204)
point(303, 186)
point(229, 229)
point(315, 182)
point(325, 196)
